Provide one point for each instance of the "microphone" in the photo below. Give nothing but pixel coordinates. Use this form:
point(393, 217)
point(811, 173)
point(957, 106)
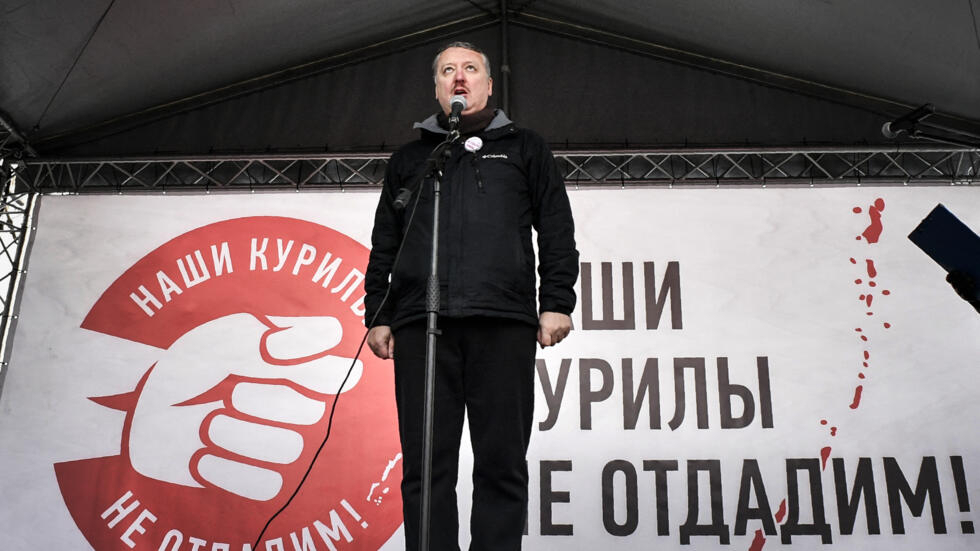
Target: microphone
point(457, 105)
point(401, 201)
point(907, 122)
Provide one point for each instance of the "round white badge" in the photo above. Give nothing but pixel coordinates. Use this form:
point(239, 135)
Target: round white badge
point(473, 144)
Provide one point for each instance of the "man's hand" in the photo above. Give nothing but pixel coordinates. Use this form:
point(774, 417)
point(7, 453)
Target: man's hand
point(382, 342)
point(552, 328)
point(965, 286)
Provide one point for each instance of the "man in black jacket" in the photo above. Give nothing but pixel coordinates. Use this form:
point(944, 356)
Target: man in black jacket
point(499, 182)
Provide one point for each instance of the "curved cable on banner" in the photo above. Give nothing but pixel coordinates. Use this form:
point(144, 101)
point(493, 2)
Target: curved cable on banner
point(360, 347)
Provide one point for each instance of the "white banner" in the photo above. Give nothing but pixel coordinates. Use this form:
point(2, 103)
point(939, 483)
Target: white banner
point(750, 368)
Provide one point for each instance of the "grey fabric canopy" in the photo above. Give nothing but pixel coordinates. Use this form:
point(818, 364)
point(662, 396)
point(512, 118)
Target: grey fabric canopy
point(141, 77)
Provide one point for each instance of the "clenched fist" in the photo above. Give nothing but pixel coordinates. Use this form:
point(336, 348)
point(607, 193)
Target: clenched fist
point(188, 429)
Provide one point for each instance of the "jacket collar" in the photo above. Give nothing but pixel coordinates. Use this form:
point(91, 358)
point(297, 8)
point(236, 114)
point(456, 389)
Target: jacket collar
point(430, 124)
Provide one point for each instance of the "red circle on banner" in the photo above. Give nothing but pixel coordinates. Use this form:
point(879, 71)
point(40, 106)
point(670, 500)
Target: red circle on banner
point(269, 268)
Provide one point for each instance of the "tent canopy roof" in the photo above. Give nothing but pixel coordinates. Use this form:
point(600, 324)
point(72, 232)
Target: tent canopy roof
point(76, 74)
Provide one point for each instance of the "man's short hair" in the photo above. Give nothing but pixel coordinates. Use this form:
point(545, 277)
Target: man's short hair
point(460, 44)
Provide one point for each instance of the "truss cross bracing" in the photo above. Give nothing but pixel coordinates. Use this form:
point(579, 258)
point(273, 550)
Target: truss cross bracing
point(771, 166)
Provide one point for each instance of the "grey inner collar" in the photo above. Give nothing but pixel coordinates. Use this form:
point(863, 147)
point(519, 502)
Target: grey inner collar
point(499, 120)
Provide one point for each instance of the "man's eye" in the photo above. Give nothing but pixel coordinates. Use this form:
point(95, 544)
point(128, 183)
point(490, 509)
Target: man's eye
point(471, 68)
point(447, 70)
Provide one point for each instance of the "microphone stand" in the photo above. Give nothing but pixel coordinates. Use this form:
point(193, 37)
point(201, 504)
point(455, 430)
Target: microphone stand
point(437, 160)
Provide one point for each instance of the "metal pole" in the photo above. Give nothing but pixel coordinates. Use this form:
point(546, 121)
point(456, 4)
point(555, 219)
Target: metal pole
point(439, 155)
point(432, 331)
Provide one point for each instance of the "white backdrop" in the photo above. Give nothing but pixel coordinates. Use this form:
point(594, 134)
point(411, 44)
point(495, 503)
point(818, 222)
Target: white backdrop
point(779, 274)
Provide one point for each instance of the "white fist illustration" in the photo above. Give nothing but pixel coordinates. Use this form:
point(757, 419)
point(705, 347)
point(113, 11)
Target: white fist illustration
point(182, 432)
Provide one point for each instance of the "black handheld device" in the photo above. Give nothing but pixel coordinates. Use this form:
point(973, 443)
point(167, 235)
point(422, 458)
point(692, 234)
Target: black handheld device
point(952, 244)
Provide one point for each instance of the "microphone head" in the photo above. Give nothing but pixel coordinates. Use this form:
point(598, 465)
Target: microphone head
point(886, 131)
point(458, 103)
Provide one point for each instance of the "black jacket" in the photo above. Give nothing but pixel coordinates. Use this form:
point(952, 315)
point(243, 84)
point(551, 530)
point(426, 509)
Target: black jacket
point(490, 200)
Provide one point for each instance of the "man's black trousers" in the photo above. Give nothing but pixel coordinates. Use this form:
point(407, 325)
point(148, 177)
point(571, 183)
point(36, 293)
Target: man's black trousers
point(485, 366)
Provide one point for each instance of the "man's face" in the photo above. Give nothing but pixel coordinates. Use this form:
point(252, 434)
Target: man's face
point(461, 71)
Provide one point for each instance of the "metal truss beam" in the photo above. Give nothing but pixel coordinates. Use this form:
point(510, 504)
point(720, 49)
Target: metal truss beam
point(774, 166)
point(12, 144)
point(16, 208)
point(668, 167)
point(7, 140)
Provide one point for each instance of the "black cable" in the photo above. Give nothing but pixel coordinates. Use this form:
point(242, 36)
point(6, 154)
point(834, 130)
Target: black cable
point(88, 39)
point(333, 408)
point(917, 134)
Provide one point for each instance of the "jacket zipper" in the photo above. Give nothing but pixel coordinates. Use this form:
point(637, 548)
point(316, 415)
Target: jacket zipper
point(479, 177)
